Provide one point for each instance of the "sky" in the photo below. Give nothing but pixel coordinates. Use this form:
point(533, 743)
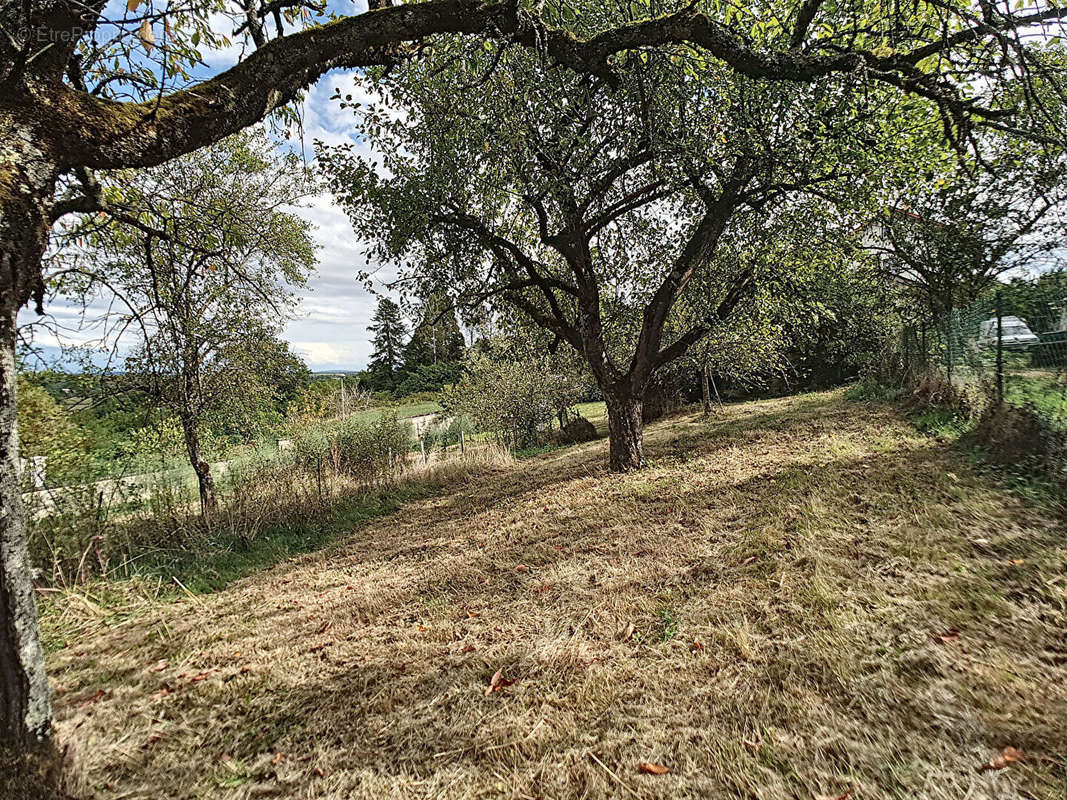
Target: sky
point(329, 329)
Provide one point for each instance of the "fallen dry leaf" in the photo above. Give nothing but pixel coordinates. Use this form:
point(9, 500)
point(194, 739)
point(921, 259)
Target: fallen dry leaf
point(144, 33)
point(626, 632)
point(278, 758)
point(318, 771)
point(92, 699)
point(522, 568)
point(498, 682)
point(1008, 756)
point(948, 636)
point(652, 769)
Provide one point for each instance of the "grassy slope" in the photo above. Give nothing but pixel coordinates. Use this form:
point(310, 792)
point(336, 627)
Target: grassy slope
point(787, 569)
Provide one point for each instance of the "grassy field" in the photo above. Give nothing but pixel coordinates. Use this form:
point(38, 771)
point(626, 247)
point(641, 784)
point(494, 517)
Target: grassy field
point(403, 410)
point(800, 598)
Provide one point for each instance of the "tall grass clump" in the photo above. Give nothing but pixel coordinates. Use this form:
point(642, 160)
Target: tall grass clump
point(115, 527)
point(360, 451)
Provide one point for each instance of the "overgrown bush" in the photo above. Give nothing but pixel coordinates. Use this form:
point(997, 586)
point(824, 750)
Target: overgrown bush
point(516, 401)
point(1021, 437)
point(446, 432)
point(366, 452)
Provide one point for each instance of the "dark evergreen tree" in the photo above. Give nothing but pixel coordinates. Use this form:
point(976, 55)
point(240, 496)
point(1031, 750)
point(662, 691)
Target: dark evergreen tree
point(389, 332)
point(437, 338)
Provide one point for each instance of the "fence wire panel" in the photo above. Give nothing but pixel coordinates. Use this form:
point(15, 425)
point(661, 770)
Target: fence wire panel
point(995, 349)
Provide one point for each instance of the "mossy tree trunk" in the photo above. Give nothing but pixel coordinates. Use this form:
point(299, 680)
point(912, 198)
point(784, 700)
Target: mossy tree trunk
point(25, 702)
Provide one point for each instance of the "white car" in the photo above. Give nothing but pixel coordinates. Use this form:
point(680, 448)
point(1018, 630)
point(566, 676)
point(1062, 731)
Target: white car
point(1015, 334)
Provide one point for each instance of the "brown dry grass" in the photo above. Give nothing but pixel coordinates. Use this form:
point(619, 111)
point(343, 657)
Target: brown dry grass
point(787, 569)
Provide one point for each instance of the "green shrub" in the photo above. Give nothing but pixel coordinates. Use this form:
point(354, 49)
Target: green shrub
point(446, 432)
point(363, 451)
point(46, 430)
point(871, 391)
point(515, 400)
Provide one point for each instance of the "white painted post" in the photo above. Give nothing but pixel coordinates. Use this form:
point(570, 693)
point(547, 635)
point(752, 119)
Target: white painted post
point(422, 446)
point(37, 471)
point(462, 442)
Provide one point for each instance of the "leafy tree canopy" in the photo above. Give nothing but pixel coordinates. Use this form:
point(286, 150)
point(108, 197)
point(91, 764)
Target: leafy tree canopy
point(598, 207)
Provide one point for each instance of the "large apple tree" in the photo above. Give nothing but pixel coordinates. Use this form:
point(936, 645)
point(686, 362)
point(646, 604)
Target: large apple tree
point(597, 206)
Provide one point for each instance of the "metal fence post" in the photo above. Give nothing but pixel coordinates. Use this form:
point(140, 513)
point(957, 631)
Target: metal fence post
point(948, 347)
point(1000, 352)
point(462, 442)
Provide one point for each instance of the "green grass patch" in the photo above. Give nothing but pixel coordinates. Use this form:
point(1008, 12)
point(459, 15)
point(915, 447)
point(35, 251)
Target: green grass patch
point(1045, 394)
point(531, 452)
point(941, 421)
point(402, 410)
point(871, 391)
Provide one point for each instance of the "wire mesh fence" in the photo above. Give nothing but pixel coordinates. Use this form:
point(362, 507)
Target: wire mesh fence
point(999, 350)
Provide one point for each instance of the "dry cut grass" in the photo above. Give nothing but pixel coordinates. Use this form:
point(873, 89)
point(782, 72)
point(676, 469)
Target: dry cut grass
point(801, 598)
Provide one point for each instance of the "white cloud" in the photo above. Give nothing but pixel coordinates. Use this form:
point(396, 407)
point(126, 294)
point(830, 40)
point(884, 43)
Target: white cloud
point(330, 331)
point(330, 327)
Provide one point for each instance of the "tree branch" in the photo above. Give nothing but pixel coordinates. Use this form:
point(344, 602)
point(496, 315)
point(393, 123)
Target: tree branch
point(99, 133)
